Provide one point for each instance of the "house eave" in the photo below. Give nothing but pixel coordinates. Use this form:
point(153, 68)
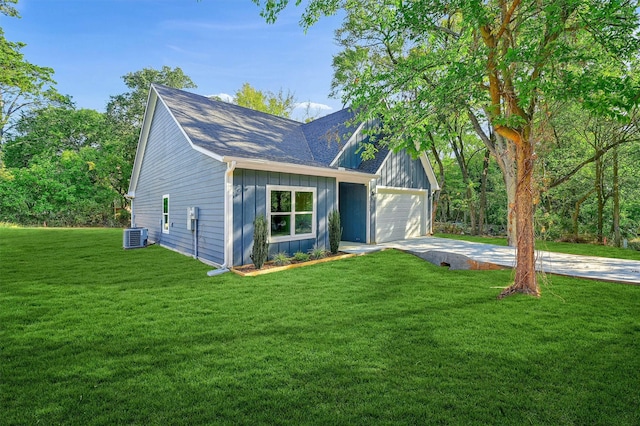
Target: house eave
point(341, 174)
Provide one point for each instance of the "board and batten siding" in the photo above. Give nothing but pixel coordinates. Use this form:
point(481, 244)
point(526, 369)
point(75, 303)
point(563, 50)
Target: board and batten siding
point(400, 170)
point(250, 200)
point(191, 179)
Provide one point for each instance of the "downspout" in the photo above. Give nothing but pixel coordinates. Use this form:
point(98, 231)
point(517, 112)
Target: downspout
point(195, 237)
point(133, 216)
point(228, 221)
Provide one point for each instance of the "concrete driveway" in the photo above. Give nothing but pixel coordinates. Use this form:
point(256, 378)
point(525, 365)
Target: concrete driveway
point(467, 255)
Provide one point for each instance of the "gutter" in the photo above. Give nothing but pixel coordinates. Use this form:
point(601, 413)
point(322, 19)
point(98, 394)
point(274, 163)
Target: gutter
point(340, 173)
point(129, 196)
point(228, 220)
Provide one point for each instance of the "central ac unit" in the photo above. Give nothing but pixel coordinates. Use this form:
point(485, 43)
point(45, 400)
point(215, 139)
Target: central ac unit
point(135, 238)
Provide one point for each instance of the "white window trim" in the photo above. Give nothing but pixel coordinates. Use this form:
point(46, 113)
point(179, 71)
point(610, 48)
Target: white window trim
point(314, 218)
point(167, 222)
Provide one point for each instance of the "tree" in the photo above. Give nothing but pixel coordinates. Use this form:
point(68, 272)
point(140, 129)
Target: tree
point(129, 107)
point(60, 169)
point(579, 162)
point(280, 104)
point(23, 85)
point(53, 129)
point(7, 9)
point(502, 59)
point(125, 113)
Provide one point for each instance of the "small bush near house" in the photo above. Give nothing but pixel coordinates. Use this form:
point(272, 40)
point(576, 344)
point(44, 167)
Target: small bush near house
point(300, 256)
point(317, 253)
point(260, 251)
point(281, 259)
point(335, 231)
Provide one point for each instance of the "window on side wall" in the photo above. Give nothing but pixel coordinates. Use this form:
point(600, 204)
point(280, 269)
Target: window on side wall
point(291, 213)
point(165, 214)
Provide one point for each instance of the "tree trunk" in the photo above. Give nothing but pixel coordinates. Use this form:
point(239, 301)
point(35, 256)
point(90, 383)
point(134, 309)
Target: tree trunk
point(599, 185)
point(525, 278)
point(457, 144)
point(482, 208)
point(617, 238)
point(504, 153)
point(441, 179)
point(576, 211)
point(507, 163)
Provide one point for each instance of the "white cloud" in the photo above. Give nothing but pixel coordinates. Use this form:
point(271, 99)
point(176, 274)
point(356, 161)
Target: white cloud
point(224, 96)
point(304, 111)
point(313, 106)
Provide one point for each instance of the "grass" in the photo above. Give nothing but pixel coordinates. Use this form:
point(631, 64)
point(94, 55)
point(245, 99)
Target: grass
point(569, 248)
point(93, 334)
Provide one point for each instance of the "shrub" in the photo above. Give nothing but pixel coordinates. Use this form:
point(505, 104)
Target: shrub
point(317, 252)
point(300, 256)
point(335, 231)
point(281, 259)
point(260, 250)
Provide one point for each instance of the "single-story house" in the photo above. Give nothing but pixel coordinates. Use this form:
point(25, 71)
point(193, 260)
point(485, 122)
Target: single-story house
point(204, 170)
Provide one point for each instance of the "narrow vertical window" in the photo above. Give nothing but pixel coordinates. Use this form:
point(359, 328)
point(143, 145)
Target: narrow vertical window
point(165, 214)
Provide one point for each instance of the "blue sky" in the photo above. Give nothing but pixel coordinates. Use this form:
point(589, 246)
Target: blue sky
point(220, 44)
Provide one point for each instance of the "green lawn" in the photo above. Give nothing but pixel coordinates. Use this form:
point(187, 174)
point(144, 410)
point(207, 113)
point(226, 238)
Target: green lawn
point(570, 248)
point(93, 334)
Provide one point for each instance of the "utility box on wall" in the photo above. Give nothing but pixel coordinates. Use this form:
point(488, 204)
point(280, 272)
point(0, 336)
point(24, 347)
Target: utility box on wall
point(192, 216)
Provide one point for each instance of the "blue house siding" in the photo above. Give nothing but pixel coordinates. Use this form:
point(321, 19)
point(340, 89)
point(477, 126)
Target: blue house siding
point(191, 179)
point(400, 170)
point(351, 157)
point(249, 201)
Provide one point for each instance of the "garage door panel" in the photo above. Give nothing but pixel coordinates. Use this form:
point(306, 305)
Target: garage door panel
point(399, 216)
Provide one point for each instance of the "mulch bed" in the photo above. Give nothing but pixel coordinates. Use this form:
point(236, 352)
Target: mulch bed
point(268, 267)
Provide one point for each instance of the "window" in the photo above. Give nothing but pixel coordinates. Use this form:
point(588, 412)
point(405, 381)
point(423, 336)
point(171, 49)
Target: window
point(291, 213)
point(165, 214)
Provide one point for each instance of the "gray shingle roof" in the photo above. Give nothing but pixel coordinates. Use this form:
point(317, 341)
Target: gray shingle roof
point(327, 136)
point(230, 130)
point(372, 166)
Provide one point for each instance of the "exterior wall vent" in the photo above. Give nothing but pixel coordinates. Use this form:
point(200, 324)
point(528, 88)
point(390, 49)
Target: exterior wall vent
point(135, 238)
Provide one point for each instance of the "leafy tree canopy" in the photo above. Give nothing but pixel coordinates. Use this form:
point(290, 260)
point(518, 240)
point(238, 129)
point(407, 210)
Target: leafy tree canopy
point(129, 107)
point(280, 104)
point(23, 85)
point(7, 8)
point(50, 131)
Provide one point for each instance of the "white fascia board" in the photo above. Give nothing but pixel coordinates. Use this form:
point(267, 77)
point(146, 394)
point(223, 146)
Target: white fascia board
point(340, 174)
point(426, 164)
point(349, 142)
point(430, 173)
point(142, 141)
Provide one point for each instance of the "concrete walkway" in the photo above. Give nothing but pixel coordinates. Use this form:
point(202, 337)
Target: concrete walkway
point(443, 250)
